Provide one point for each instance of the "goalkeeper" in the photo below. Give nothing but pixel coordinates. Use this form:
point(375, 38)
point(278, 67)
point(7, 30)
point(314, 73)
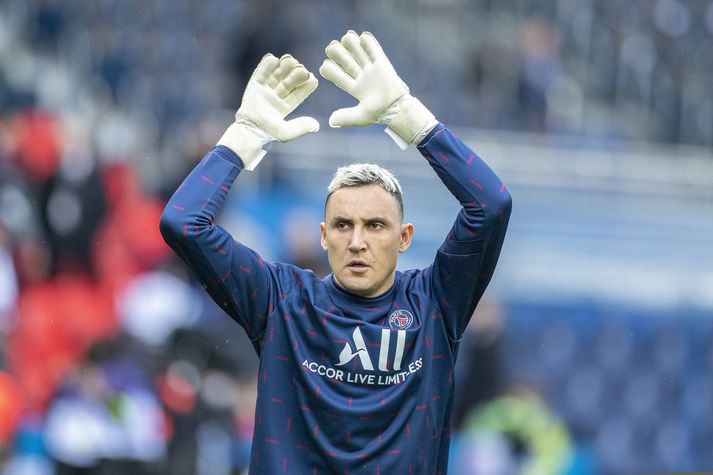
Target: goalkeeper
point(356, 369)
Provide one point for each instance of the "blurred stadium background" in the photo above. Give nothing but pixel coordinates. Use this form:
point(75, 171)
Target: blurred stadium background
point(592, 352)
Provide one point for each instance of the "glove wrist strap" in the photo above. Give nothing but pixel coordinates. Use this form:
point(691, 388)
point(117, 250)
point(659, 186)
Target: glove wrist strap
point(411, 123)
point(247, 140)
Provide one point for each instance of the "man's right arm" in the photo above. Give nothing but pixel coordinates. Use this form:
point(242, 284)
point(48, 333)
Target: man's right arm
point(235, 277)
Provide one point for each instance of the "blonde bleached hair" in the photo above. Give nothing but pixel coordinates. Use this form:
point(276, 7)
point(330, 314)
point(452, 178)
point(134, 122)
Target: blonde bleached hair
point(362, 174)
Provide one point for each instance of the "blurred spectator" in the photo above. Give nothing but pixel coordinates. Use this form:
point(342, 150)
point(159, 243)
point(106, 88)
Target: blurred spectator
point(105, 418)
point(48, 24)
point(28, 456)
point(302, 247)
point(515, 433)
point(36, 144)
point(128, 240)
point(209, 403)
point(58, 321)
point(540, 68)
point(8, 282)
point(73, 206)
point(154, 304)
point(11, 406)
point(479, 370)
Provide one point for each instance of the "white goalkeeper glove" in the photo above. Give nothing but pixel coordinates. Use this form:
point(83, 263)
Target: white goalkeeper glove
point(276, 88)
point(358, 66)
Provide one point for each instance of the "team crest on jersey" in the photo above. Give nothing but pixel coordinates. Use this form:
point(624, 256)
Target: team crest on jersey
point(401, 320)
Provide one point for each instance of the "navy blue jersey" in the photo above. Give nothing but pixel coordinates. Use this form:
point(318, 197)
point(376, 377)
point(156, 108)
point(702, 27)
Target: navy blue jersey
point(348, 385)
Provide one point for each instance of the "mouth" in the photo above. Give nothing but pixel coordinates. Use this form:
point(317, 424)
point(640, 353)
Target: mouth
point(358, 267)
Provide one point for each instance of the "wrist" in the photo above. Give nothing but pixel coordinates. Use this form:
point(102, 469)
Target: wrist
point(247, 141)
point(411, 123)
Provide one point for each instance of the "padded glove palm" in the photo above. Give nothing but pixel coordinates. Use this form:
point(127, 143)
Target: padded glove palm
point(275, 89)
point(359, 66)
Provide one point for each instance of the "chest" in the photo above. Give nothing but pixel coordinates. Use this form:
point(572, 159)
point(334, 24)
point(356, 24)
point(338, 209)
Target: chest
point(365, 347)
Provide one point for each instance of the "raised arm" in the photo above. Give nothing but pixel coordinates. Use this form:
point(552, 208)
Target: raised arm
point(466, 260)
point(235, 276)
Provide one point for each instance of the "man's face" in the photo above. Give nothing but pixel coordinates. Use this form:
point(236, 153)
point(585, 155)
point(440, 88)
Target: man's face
point(363, 235)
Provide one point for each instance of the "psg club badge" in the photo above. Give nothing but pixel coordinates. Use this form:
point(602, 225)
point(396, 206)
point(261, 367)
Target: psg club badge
point(401, 320)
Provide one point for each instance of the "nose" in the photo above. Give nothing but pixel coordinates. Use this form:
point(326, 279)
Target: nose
point(357, 243)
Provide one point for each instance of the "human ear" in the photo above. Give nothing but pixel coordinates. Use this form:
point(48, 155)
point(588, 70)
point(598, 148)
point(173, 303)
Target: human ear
point(323, 232)
point(406, 236)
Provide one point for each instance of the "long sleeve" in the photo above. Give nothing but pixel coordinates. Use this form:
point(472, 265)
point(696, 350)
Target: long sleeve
point(466, 260)
point(244, 286)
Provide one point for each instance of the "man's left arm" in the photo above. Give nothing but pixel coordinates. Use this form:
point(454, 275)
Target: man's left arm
point(466, 260)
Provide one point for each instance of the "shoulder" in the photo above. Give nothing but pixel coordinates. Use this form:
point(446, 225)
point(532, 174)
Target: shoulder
point(414, 280)
point(289, 273)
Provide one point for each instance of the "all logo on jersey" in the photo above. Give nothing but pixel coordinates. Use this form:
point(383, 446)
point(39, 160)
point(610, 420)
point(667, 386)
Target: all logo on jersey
point(362, 353)
point(388, 371)
point(401, 320)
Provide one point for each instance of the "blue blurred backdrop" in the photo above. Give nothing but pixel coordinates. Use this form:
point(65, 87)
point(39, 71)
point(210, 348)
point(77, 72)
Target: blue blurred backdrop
point(592, 351)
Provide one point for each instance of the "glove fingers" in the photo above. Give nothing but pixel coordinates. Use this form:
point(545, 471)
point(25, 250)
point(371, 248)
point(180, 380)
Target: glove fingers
point(301, 92)
point(267, 65)
point(287, 64)
point(344, 59)
point(296, 77)
point(371, 46)
point(297, 127)
point(351, 42)
point(349, 117)
point(333, 73)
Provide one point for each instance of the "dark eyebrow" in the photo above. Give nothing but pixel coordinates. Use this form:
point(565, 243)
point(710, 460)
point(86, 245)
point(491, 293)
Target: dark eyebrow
point(338, 219)
point(376, 219)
